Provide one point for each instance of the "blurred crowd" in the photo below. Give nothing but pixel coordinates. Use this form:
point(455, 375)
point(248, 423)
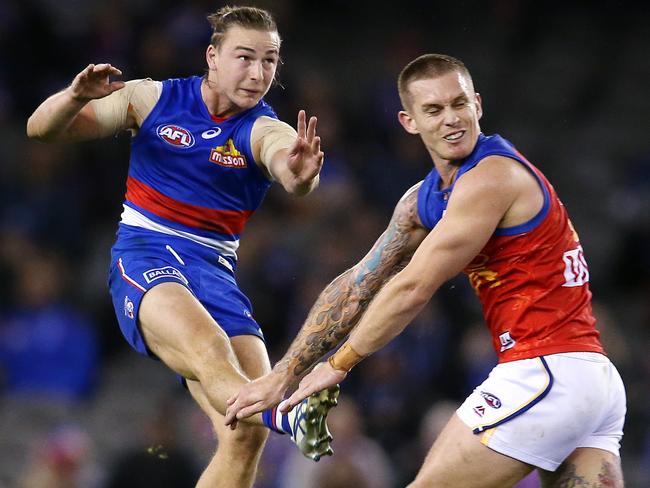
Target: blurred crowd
point(565, 82)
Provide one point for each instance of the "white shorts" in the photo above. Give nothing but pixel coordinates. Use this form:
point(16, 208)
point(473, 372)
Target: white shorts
point(540, 410)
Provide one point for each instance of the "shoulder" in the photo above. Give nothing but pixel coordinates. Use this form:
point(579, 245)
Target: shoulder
point(492, 172)
point(268, 126)
point(270, 123)
point(142, 85)
point(492, 185)
point(407, 207)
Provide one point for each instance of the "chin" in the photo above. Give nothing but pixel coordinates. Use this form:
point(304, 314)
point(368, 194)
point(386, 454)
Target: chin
point(456, 154)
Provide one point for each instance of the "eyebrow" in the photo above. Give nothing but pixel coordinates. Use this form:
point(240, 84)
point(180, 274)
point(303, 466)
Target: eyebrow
point(251, 50)
point(427, 106)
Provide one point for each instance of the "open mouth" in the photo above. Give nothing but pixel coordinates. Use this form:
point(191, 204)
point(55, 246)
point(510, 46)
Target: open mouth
point(454, 136)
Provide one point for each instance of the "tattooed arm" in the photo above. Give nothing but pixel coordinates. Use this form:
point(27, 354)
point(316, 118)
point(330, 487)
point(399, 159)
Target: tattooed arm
point(337, 310)
point(340, 306)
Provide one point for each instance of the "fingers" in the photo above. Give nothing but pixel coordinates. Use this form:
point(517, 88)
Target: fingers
point(298, 396)
point(315, 147)
point(105, 69)
point(240, 408)
point(302, 117)
point(231, 416)
point(98, 71)
point(115, 85)
point(311, 129)
point(246, 412)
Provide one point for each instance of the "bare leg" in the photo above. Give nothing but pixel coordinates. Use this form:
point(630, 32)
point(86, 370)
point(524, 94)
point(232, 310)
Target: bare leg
point(586, 467)
point(459, 460)
point(178, 329)
point(238, 451)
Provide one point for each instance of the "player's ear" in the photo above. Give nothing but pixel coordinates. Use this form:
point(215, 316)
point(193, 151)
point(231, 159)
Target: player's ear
point(407, 122)
point(479, 105)
point(210, 57)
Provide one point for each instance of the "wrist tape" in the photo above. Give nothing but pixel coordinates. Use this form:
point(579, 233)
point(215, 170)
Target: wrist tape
point(345, 358)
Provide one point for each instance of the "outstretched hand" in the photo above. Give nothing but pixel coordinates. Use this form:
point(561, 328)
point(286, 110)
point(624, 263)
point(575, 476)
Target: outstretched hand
point(93, 82)
point(305, 157)
point(254, 397)
point(320, 378)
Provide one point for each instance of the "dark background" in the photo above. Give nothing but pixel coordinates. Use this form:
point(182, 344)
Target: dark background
point(566, 82)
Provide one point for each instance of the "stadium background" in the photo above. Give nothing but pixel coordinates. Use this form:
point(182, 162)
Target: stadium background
point(567, 82)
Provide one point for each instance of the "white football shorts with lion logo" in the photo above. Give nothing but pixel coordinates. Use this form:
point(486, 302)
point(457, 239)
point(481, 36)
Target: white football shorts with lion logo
point(540, 410)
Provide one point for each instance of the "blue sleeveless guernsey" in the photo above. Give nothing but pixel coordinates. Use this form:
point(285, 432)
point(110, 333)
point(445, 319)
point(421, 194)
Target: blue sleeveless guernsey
point(192, 176)
point(191, 187)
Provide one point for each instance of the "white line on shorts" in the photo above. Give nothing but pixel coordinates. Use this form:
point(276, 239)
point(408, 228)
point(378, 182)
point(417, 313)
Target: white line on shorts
point(171, 250)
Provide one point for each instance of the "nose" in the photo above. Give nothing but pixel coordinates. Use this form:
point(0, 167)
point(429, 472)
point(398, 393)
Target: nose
point(255, 71)
point(451, 116)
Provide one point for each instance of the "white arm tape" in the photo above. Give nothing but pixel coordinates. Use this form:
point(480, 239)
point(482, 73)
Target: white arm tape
point(138, 96)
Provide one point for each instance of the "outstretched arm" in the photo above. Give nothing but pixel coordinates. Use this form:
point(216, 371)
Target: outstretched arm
point(337, 310)
point(478, 204)
point(67, 116)
point(294, 159)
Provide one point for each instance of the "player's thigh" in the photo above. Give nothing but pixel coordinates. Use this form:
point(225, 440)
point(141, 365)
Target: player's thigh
point(459, 459)
point(180, 331)
point(254, 361)
point(586, 467)
point(252, 355)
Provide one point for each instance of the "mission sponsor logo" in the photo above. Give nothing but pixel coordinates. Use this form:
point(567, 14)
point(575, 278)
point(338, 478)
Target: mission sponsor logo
point(175, 135)
point(167, 272)
point(228, 155)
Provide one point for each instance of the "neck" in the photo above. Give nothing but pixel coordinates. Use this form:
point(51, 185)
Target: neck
point(447, 169)
point(447, 173)
point(217, 104)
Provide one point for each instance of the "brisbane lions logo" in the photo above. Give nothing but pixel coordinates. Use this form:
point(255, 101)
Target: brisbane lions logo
point(175, 135)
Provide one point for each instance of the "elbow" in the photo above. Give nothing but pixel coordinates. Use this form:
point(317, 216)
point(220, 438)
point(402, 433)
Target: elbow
point(415, 293)
point(420, 296)
point(33, 132)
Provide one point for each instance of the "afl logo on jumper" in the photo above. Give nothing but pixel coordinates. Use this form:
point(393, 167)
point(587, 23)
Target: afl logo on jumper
point(490, 399)
point(175, 135)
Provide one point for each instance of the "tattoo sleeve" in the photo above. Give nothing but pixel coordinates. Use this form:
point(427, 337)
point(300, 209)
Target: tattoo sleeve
point(343, 302)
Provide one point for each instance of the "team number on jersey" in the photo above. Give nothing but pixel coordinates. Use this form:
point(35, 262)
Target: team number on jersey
point(576, 272)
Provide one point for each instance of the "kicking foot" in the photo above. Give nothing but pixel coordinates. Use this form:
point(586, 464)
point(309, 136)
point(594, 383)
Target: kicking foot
point(308, 422)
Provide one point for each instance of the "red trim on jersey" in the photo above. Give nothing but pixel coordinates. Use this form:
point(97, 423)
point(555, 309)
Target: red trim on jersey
point(222, 221)
point(127, 278)
point(218, 119)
